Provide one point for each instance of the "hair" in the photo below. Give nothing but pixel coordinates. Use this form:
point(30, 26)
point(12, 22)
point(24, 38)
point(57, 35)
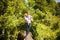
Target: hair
point(26, 12)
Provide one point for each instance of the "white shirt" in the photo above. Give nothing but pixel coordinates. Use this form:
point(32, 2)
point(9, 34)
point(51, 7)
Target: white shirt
point(28, 19)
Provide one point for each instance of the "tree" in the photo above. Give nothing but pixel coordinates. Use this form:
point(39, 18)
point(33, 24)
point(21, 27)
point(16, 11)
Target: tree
point(57, 9)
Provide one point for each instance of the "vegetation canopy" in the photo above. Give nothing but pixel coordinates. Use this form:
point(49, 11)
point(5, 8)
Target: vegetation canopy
point(46, 19)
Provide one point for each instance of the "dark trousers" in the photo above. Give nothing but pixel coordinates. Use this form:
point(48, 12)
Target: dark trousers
point(27, 28)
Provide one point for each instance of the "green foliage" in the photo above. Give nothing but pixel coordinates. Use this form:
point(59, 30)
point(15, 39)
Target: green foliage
point(57, 8)
point(45, 25)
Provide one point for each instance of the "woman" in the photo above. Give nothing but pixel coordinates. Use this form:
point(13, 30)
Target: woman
point(28, 19)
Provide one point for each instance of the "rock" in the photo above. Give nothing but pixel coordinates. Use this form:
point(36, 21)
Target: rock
point(22, 36)
point(28, 37)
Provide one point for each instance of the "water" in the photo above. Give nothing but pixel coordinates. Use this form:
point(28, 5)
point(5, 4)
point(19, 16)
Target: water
point(27, 3)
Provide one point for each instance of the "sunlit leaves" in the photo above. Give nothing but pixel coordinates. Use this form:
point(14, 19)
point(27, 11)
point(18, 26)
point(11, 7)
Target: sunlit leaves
point(45, 26)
